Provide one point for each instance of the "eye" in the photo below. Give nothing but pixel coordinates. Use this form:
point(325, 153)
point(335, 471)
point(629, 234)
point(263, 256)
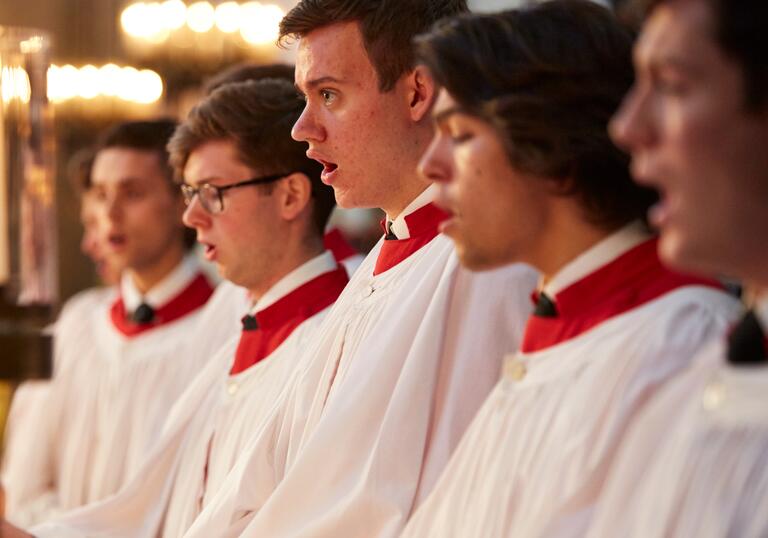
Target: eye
point(327, 96)
point(460, 137)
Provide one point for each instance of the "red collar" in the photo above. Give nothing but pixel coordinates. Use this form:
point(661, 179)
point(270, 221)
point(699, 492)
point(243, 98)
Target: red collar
point(629, 281)
point(335, 241)
point(279, 320)
point(423, 225)
point(191, 298)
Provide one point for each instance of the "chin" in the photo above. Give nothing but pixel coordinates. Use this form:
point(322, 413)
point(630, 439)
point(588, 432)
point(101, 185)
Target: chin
point(687, 255)
point(477, 260)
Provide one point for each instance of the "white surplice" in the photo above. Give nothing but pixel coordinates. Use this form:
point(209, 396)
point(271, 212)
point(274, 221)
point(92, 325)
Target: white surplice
point(696, 461)
point(109, 398)
point(206, 429)
point(533, 460)
point(403, 362)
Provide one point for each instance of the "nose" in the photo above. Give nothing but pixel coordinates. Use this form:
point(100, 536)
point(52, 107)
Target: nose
point(435, 163)
point(632, 126)
point(307, 128)
point(195, 216)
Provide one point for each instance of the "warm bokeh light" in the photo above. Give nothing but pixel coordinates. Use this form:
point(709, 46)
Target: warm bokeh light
point(154, 22)
point(110, 80)
point(260, 23)
point(15, 84)
point(173, 14)
point(88, 82)
point(228, 17)
point(200, 17)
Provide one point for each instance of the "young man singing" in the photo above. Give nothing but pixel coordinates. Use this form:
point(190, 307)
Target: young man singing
point(696, 124)
point(529, 174)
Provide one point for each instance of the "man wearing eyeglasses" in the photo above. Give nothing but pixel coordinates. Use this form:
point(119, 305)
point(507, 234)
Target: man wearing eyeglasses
point(123, 361)
point(259, 208)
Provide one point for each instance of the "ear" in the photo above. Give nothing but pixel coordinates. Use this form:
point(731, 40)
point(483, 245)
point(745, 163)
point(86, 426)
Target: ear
point(421, 92)
point(295, 193)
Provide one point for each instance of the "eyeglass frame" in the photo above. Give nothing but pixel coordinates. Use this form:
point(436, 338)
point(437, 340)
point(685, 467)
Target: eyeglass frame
point(189, 192)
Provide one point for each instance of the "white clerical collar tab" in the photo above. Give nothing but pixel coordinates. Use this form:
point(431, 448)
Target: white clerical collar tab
point(310, 270)
point(399, 226)
point(597, 256)
point(163, 291)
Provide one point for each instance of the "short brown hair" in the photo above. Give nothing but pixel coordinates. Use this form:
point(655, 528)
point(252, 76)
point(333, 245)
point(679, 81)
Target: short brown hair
point(248, 71)
point(257, 115)
point(548, 78)
point(387, 27)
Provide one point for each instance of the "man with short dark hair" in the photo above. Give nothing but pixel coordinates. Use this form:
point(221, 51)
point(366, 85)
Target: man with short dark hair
point(259, 209)
point(415, 342)
point(531, 175)
point(696, 125)
point(124, 359)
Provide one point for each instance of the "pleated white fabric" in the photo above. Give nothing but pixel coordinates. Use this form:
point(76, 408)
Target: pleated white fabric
point(403, 361)
point(107, 403)
point(696, 462)
point(207, 429)
point(534, 459)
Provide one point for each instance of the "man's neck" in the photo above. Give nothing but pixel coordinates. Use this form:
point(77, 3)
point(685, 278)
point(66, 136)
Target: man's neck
point(145, 278)
point(569, 235)
point(405, 194)
point(289, 264)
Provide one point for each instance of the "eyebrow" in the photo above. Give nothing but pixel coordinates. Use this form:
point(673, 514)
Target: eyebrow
point(318, 81)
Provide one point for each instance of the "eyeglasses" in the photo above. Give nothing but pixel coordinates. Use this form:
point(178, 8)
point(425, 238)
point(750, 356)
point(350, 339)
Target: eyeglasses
point(212, 197)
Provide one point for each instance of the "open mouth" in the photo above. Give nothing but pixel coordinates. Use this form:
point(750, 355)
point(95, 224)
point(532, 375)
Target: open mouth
point(209, 251)
point(116, 241)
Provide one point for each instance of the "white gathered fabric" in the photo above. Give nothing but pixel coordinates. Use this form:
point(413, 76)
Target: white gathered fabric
point(107, 403)
point(696, 462)
point(534, 459)
point(206, 431)
point(401, 365)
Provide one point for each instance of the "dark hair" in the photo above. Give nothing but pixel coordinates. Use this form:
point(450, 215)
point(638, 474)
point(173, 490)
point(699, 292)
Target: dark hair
point(248, 71)
point(739, 30)
point(258, 116)
point(151, 136)
point(548, 78)
point(387, 27)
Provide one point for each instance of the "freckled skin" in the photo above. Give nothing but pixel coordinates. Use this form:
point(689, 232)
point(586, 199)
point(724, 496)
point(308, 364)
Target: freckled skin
point(371, 136)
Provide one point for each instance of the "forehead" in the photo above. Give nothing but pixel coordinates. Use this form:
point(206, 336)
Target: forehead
point(116, 165)
point(213, 161)
point(677, 32)
point(336, 51)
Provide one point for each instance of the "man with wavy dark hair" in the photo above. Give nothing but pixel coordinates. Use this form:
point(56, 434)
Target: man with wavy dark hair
point(529, 174)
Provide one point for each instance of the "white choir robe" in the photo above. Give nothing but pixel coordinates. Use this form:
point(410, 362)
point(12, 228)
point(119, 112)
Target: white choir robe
point(211, 422)
point(110, 396)
point(534, 459)
point(403, 362)
point(695, 463)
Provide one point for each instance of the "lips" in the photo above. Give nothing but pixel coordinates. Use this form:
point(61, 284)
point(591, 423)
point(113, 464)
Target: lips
point(329, 167)
point(209, 248)
point(116, 241)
